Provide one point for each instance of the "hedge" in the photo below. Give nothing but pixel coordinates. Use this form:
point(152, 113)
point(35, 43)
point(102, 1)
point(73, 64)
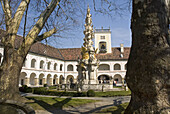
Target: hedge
point(42, 91)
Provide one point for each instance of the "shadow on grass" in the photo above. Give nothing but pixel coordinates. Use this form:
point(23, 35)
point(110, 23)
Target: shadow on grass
point(53, 108)
point(115, 108)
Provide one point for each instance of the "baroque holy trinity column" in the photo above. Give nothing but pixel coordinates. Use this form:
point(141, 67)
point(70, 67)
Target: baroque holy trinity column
point(88, 64)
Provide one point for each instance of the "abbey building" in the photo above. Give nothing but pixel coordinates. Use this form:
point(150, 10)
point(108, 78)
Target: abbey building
point(48, 65)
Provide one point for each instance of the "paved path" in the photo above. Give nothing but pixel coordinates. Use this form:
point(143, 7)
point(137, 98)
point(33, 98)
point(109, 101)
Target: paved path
point(105, 102)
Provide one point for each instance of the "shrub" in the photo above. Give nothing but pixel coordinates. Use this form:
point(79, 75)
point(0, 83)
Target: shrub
point(52, 87)
point(44, 91)
point(45, 85)
point(90, 93)
point(25, 89)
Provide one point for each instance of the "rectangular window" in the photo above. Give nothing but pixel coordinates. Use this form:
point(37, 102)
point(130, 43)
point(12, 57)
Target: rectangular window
point(102, 37)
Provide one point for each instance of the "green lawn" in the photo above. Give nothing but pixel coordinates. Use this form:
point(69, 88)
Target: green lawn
point(119, 109)
point(46, 103)
point(112, 93)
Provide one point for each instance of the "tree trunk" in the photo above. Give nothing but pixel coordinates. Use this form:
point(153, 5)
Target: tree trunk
point(9, 75)
point(148, 73)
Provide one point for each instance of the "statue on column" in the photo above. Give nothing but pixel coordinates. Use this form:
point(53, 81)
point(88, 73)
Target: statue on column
point(88, 64)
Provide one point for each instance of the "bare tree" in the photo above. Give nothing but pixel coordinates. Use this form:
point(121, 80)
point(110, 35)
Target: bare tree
point(148, 73)
point(37, 19)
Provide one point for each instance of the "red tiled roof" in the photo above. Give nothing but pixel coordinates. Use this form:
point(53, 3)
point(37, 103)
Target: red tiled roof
point(71, 53)
point(74, 53)
point(115, 54)
point(68, 54)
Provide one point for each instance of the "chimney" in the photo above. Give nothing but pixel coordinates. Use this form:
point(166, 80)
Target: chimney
point(121, 48)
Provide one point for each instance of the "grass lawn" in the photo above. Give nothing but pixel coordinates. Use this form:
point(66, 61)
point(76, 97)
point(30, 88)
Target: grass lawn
point(112, 93)
point(45, 103)
point(119, 109)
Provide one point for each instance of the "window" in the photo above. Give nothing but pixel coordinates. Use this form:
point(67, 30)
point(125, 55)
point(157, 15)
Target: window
point(55, 66)
point(49, 64)
point(40, 82)
point(102, 47)
point(41, 64)
point(0, 57)
point(61, 67)
point(104, 67)
point(70, 68)
point(33, 63)
point(53, 81)
point(125, 66)
point(102, 37)
point(22, 81)
point(117, 67)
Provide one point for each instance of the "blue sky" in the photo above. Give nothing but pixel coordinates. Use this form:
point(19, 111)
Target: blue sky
point(119, 25)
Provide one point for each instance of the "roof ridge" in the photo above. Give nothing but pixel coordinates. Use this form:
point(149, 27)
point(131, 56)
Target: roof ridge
point(60, 54)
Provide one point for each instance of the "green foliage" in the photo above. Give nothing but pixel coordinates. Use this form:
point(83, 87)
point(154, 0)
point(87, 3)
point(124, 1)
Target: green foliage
point(44, 91)
point(90, 93)
point(45, 85)
point(52, 87)
point(25, 89)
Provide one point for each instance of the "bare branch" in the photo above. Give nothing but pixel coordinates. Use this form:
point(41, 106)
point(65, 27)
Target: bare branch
point(3, 6)
point(19, 14)
point(33, 33)
point(7, 12)
point(46, 35)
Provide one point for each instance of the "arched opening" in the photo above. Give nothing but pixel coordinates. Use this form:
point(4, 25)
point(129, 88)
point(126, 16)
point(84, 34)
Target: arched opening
point(33, 61)
point(117, 79)
point(70, 68)
point(41, 64)
point(61, 67)
point(41, 79)
point(32, 79)
point(22, 78)
point(49, 79)
point(102, 47)
point(0, 58)
point(61, 79)
point(55, 66)
point(117, 67)
point(125, 66)
point(49, 66)
point(104, 67)
point(70, 79)
point(55, 80)
point(103, 79)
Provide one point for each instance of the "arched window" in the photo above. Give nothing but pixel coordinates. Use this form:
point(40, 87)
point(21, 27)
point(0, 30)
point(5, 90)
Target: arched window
point(33, 61)
point(61, 67)
point(125, 66)
point(117, 67)
point(104, 67)
point(0, 57)
point(49, 65)
point(70, 68)
point(41, 64)
point(102, 47)
point(55, 66)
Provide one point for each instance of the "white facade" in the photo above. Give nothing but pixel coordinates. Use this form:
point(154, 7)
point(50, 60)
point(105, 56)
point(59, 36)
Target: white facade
point(51, 73)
